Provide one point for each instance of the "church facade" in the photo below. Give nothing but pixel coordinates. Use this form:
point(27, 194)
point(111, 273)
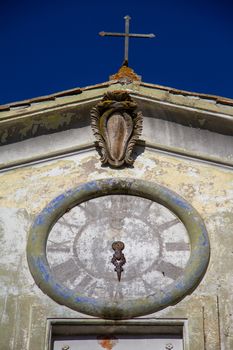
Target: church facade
point(116, 219)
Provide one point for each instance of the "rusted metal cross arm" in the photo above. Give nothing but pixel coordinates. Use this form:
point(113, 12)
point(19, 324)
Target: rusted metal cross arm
point(130, 35)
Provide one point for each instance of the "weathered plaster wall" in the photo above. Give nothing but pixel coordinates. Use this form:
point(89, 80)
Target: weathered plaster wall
point(25, 191)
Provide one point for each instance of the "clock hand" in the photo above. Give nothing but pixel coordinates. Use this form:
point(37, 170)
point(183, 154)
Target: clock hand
point(118, 259)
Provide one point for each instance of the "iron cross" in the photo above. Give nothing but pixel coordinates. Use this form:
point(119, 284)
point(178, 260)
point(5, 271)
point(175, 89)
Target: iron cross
point(127, 35)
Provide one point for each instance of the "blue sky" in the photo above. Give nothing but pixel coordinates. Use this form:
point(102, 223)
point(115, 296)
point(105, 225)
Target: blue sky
point(50, 46)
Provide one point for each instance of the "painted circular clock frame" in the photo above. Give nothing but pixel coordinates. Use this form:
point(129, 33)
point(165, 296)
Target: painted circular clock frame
point(120, 308)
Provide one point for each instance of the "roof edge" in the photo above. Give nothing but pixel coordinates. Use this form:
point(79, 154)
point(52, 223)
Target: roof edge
point(77, 91)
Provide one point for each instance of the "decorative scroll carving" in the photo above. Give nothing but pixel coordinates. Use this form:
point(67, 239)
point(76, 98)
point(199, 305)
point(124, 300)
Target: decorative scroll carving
point(116, 127)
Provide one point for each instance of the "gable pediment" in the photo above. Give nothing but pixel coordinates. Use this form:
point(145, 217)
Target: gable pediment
point(171, 122)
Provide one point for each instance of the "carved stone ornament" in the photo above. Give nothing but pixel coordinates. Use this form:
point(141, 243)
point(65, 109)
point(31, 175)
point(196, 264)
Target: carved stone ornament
point(116, 127)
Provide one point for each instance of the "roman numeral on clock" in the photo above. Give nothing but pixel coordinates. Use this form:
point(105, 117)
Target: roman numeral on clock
point(168, 224)
point(58, 246)
point(66, 271)
point(169, 270)
point(177, 246)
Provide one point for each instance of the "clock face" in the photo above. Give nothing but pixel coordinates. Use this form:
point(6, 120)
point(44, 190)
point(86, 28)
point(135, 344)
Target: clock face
point(118, 248)
point(156, 247)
